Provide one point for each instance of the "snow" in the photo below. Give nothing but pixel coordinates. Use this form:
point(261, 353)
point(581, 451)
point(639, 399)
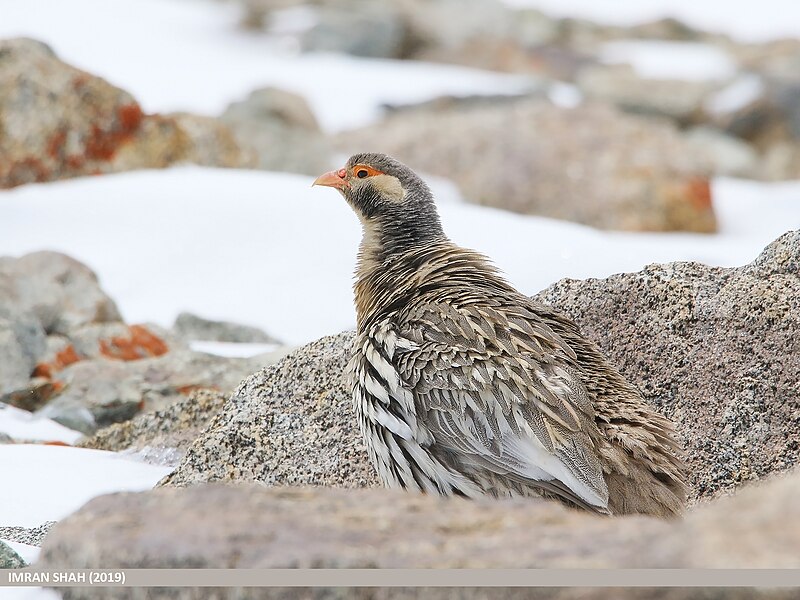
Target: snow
point(175, 55)
point(267, 249)
point(29, 593)
point(231, 349)
point(22, 425)
point(46, 483)
point(746, 21)
point(736, 95)
point(687, 61)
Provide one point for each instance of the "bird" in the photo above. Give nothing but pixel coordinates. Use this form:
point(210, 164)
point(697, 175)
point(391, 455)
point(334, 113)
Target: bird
point(464, 386)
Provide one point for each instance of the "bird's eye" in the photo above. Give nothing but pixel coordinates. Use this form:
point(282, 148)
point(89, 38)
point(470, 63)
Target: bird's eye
point(361, 173)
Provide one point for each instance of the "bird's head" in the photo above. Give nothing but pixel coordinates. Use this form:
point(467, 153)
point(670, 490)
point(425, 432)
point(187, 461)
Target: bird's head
point(393, 203)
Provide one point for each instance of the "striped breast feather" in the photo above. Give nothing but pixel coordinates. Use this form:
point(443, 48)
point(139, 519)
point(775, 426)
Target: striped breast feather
point(501, 390)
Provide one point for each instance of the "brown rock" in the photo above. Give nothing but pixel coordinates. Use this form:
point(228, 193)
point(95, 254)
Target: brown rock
point(590, 164)
point(59, 121)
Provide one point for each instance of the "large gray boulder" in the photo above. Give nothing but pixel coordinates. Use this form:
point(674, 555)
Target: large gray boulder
point(590, 164)
point(717, 350)
point(714, 349)
point(9, 559)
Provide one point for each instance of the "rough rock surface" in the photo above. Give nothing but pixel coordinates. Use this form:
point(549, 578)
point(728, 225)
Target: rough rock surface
point(589, 164)
point(59, 121)
point(174, 427)
point(717, 350)
point(282, 131)
point(722, 360)
point(248, 526)
point(8, 558)
point(191, 327)
point(289, 424)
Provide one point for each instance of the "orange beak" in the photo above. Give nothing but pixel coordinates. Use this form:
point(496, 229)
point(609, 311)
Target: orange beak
point(335, 179)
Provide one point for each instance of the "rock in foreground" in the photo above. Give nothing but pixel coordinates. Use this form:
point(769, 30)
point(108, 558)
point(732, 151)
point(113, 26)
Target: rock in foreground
point(248, 526)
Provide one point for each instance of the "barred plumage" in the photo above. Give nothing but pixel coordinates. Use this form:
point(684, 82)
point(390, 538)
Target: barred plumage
point(463, 385)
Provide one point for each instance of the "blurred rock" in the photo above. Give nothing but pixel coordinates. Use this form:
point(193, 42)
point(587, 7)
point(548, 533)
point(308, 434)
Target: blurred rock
point(369, 29)
point(60, 291)
point(282, 131)
point(102, 391)
point(10, 559)
point(717, 350)
point(22, 340)
point(727, 155)
point(174, 427)
point(620, 85)
point(289, 424)
point(62, 122)
point(590, 164)
point(191, 327)
point(247, 526)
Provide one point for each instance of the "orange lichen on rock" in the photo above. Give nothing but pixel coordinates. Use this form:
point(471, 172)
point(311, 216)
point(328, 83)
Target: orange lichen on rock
point(64, 358)
point(103, 145)
point(699, 192)
point(142, 343)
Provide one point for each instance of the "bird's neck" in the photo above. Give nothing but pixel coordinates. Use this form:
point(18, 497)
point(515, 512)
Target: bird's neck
point(388, 278)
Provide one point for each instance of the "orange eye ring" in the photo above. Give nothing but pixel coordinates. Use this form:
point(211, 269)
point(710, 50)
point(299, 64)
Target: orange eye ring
point(364, 171)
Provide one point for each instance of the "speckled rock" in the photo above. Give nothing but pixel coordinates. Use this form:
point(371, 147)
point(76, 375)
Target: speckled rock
point(33, 536)
point(10, 559)
point(289, 424)
point(590, 164)
point(59, 121)
point(717, 350)
point(172, 428)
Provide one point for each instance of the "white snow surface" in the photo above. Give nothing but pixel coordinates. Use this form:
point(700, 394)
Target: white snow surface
point(688, 61)
point(747, 21)
point(232, 349)
point(267, 249)
point(191, 55)
point(46, 483)
point(23, 425)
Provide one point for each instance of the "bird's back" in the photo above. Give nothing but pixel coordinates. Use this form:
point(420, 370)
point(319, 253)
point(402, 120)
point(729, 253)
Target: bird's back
point(465, 386)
